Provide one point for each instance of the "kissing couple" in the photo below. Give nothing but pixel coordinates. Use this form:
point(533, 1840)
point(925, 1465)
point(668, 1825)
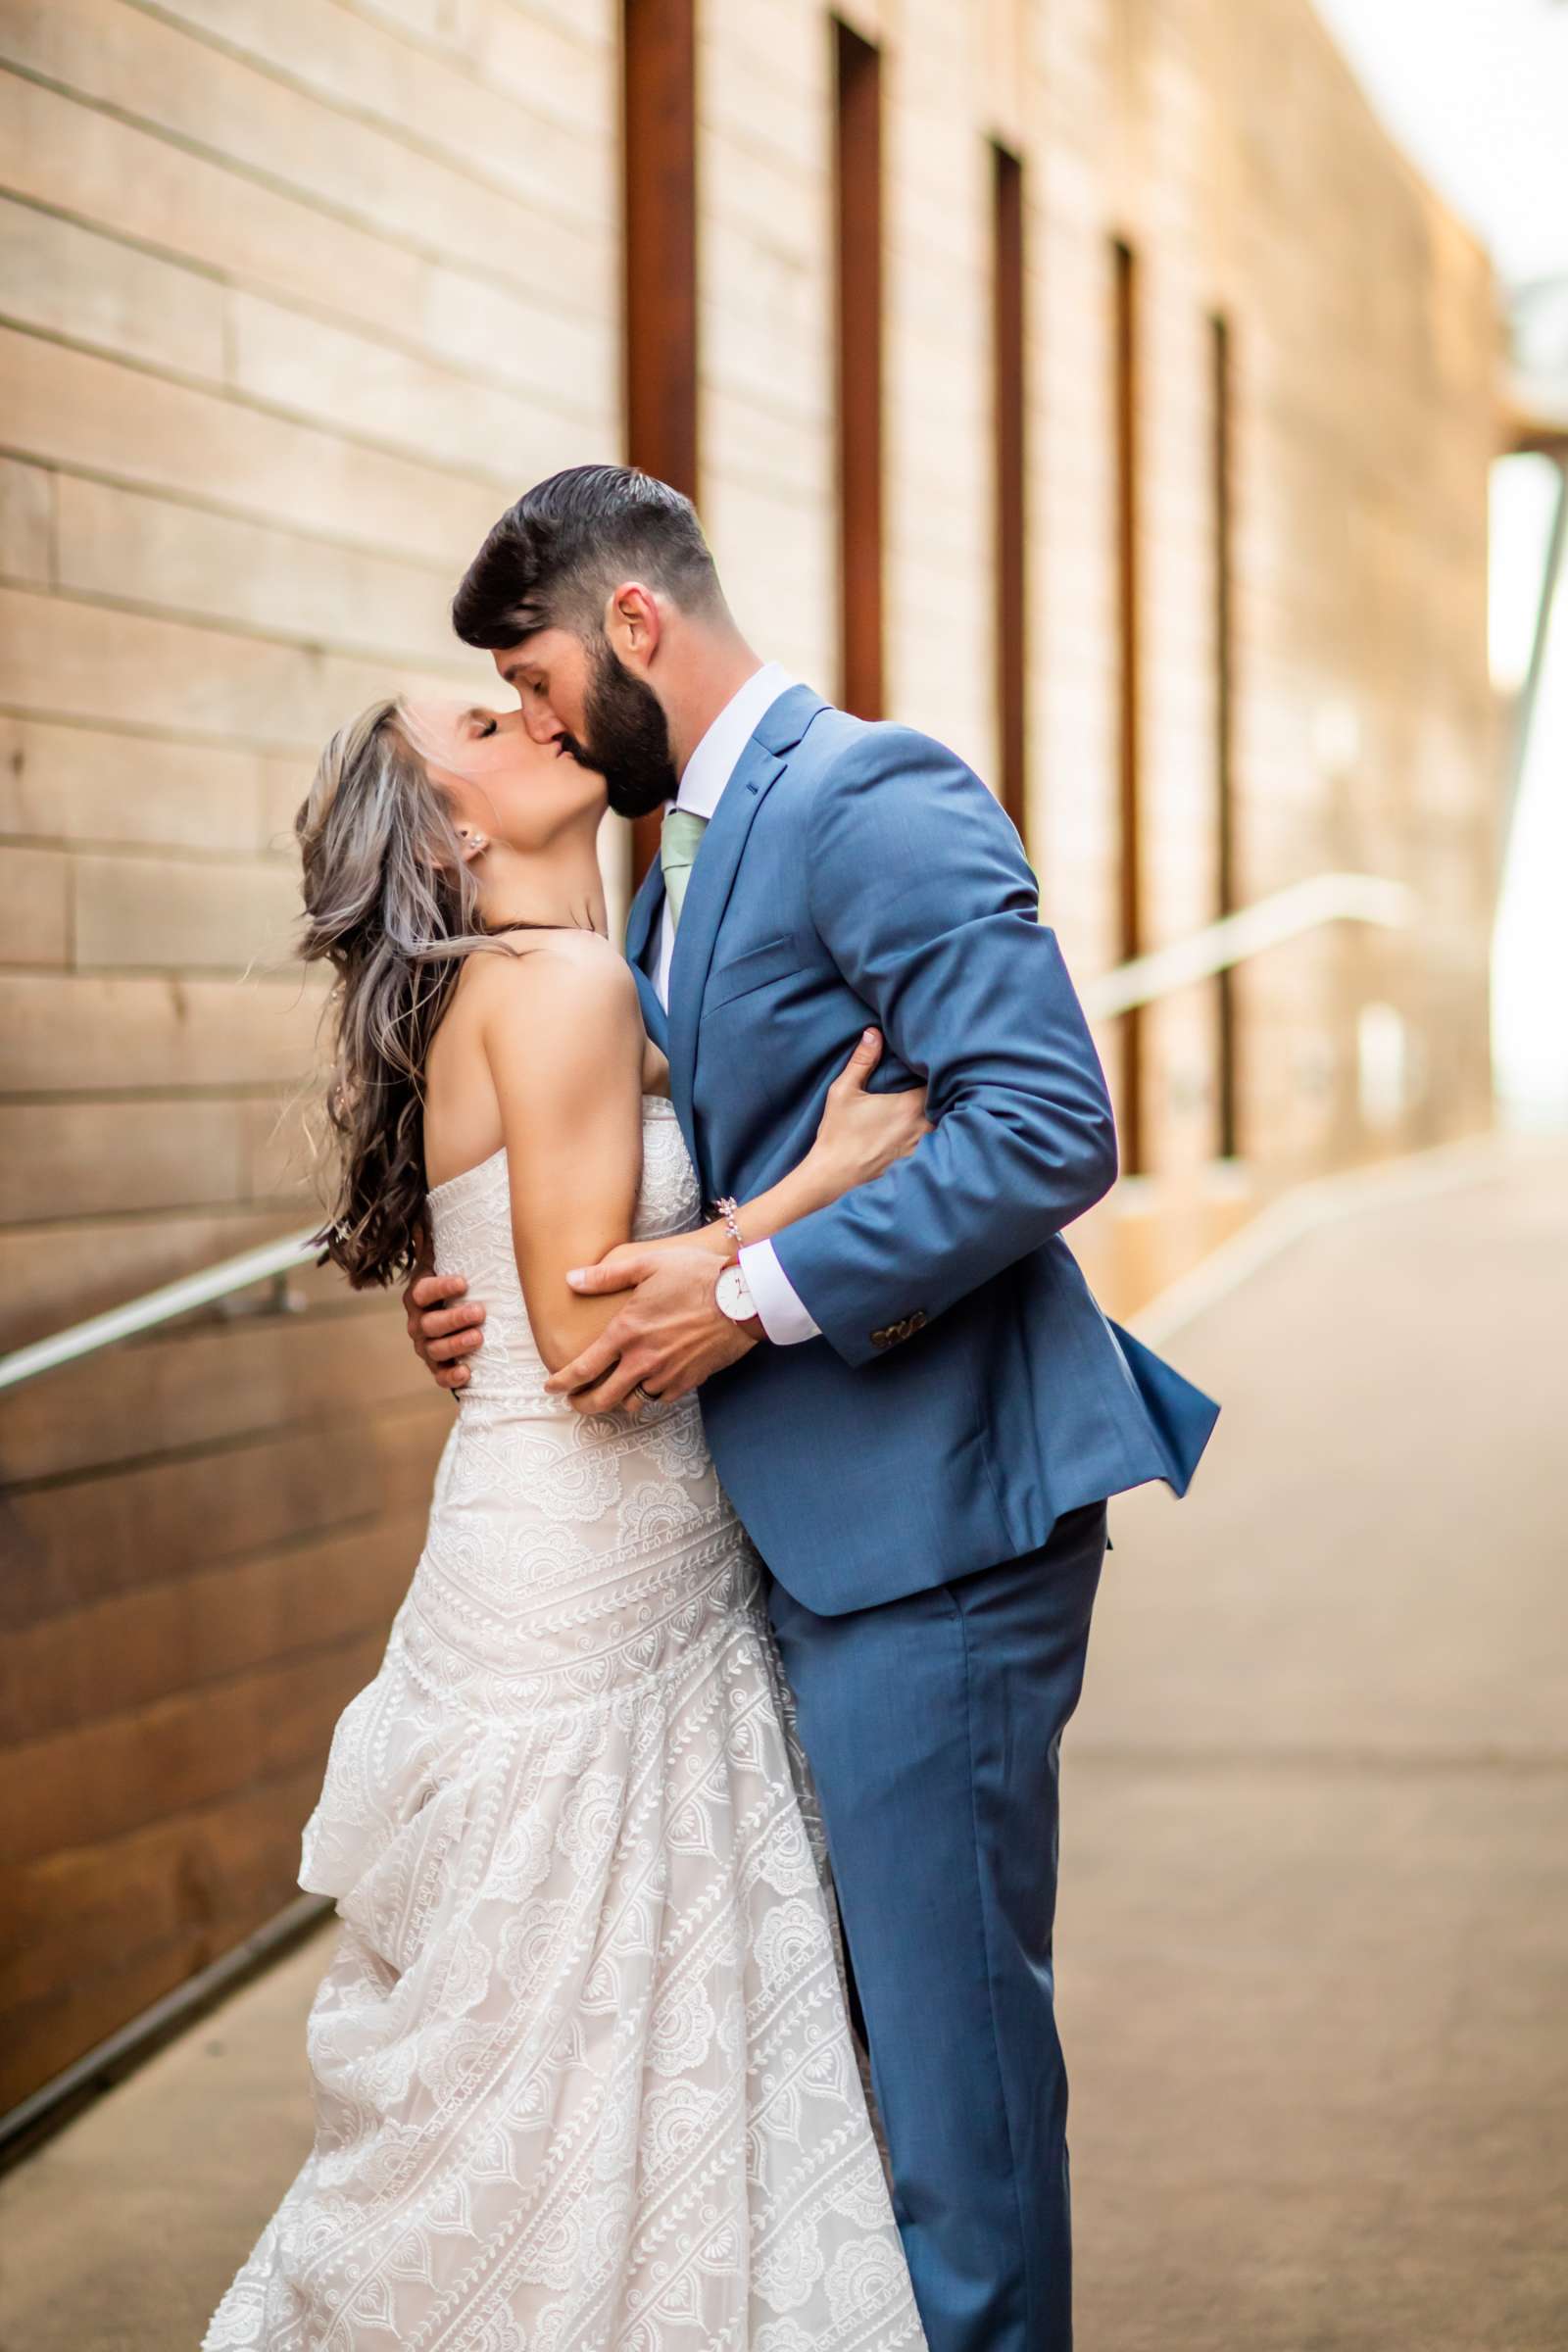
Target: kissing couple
point(716, 1743)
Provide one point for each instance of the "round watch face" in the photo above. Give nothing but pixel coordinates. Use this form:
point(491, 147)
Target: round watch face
point(733, 1297)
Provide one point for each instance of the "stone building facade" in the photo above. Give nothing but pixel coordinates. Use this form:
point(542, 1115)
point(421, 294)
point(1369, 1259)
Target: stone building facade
point(298, 294)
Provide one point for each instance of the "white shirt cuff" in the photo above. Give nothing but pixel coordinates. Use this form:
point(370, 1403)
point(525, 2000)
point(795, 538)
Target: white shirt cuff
point(778, 1306)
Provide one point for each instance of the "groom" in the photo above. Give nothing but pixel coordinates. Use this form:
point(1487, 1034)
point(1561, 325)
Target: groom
point(911, 1397)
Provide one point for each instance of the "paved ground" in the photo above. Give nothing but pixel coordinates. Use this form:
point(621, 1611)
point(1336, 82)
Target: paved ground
point(1314, 1929)
point(1314, 1938)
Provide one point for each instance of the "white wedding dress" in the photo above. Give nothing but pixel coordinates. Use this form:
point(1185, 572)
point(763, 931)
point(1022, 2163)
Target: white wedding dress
point(582, 2071)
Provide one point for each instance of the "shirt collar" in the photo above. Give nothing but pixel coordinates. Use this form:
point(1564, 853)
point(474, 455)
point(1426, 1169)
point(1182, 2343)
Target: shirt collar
point(714, 760)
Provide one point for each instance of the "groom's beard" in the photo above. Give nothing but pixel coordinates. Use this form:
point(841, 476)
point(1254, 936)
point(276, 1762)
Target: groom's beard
point(627, 738)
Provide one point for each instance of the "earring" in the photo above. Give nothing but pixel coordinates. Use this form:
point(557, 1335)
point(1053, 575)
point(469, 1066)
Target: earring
point(478, 844)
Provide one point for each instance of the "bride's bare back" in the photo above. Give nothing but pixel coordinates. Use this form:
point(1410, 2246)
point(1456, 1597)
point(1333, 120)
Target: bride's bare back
point(462, 1112)
point(542, 1051)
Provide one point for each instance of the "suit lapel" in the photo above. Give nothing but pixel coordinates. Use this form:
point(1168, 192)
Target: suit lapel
point(655, 1021)
point(712, 877)
point(643, 913)
point(706, 896)
point(642, 950)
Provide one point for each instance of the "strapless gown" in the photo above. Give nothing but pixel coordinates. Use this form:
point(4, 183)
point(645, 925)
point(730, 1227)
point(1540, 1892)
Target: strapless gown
point(582, 2071)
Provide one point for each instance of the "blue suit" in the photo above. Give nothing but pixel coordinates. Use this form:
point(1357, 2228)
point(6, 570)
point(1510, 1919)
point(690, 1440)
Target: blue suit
point(925, 1480)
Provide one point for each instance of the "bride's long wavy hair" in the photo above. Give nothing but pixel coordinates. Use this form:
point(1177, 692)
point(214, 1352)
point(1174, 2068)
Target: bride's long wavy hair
point(391, 904)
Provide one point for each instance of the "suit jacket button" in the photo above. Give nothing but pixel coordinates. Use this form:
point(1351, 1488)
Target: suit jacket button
point(904, 1329)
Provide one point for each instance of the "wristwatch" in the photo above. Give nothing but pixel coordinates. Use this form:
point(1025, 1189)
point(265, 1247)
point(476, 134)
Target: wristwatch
point(733, 1293)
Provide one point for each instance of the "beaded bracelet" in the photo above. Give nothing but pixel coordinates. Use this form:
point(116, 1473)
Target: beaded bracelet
point(730, 1212)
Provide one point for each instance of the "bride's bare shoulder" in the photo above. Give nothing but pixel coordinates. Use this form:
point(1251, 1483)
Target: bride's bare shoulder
point(573, 979)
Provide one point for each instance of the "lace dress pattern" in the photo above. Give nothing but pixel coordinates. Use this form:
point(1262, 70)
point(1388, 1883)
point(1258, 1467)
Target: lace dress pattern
point(581, 2066)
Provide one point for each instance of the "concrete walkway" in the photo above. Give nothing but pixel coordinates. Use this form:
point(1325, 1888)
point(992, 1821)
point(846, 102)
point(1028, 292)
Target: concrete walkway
point(1314, 1926)
point(1314, 1922)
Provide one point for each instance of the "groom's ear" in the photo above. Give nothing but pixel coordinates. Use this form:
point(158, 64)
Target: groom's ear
point(634, 623)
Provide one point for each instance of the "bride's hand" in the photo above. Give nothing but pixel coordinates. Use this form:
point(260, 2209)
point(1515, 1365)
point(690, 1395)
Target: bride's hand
point(860, 1133)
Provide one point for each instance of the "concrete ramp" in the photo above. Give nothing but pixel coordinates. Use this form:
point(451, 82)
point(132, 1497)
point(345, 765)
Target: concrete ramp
point(1313, 1936)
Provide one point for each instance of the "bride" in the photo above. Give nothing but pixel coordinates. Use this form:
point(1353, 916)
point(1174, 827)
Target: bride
point(582, 2071)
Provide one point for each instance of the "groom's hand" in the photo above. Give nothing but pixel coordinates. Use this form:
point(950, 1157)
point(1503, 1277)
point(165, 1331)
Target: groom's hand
point(668, 1337)
point(442, 1324)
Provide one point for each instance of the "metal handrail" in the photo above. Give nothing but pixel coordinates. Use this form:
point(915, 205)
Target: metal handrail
point(1284, 916)
point(221, 1281)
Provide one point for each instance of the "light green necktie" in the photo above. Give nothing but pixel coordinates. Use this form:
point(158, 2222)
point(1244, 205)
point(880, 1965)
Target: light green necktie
point(679, 845)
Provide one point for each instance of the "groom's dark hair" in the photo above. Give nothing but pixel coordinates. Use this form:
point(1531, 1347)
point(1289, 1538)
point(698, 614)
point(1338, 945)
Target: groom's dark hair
point(554, 556)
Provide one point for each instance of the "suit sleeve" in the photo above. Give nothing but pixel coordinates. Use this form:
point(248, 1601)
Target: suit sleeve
point(923, 898)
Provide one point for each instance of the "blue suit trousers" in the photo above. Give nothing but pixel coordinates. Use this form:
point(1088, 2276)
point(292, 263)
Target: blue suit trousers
point(933, 1726)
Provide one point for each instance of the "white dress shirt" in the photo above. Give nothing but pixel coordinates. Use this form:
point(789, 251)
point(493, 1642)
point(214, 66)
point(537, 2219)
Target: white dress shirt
point(702, 787)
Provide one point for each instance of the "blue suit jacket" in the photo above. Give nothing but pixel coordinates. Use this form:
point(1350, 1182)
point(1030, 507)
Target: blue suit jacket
point(967, 1390)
